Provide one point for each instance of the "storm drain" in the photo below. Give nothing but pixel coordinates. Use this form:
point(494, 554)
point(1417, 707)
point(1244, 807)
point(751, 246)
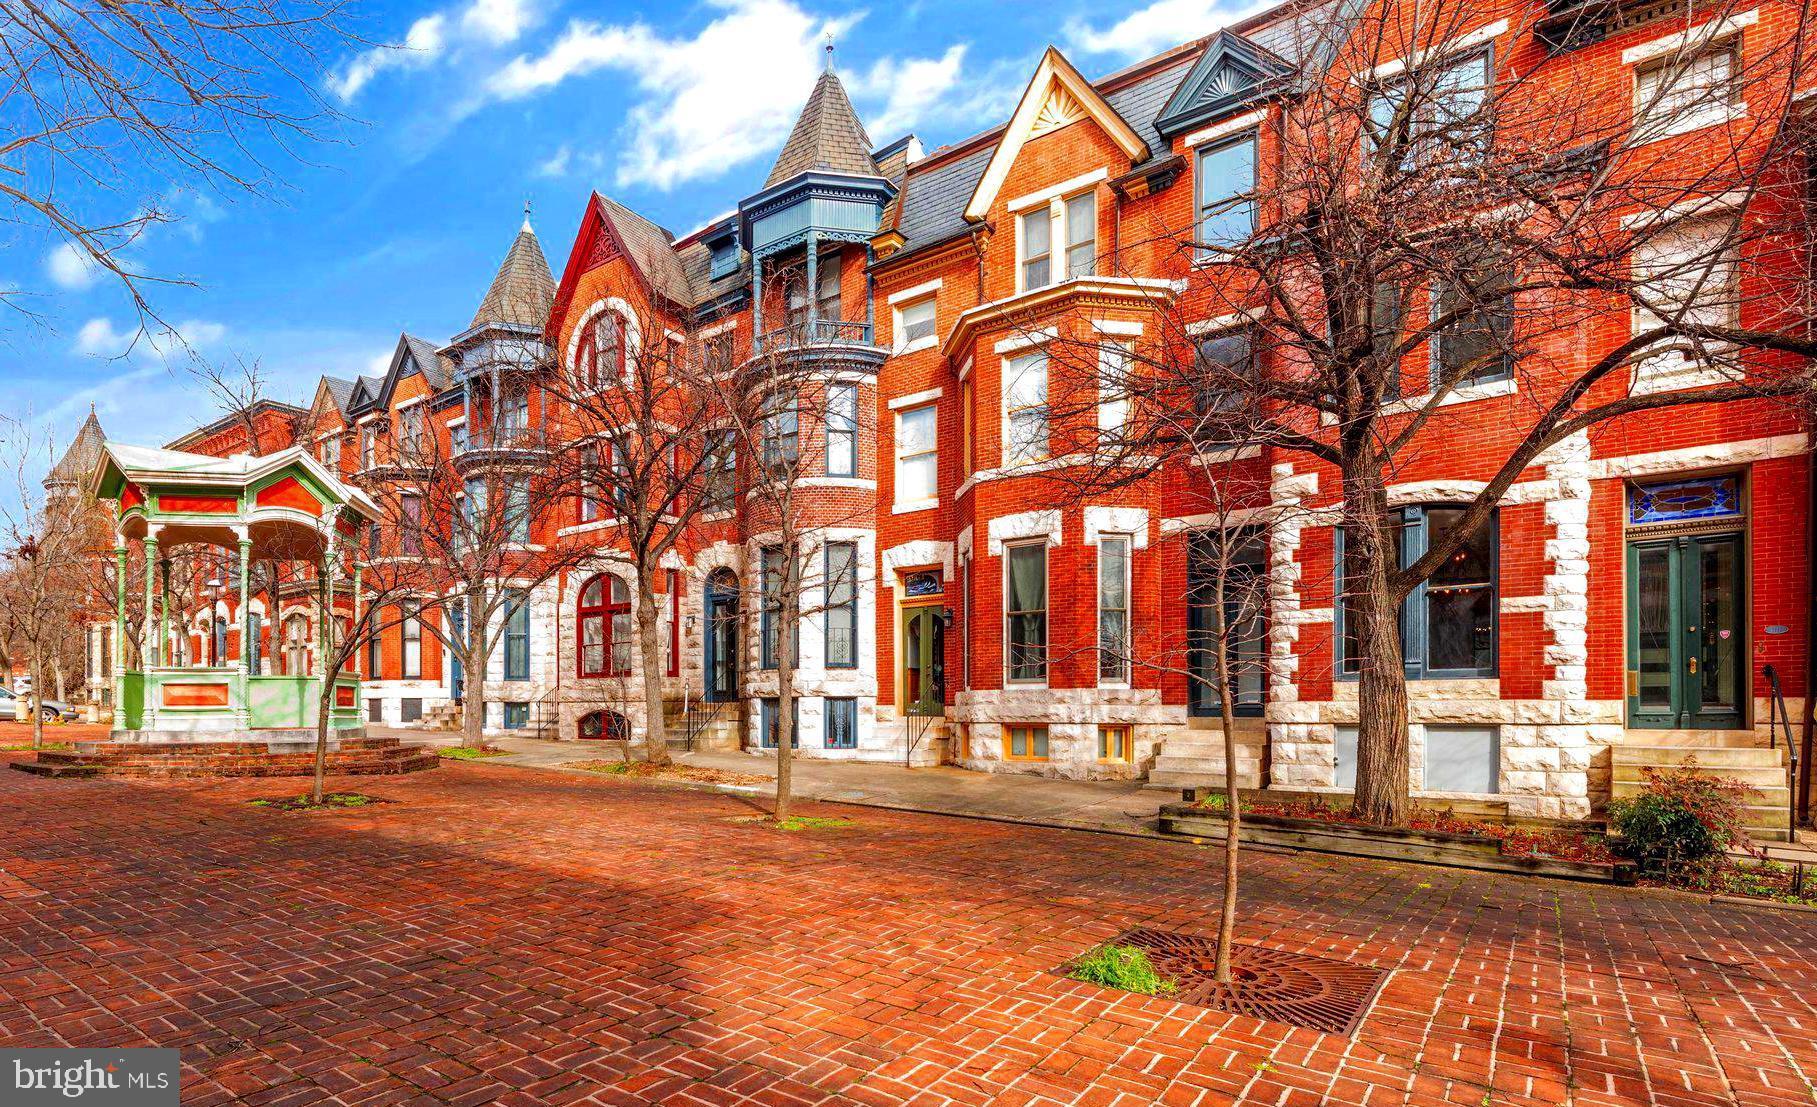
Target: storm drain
point(1299, 989)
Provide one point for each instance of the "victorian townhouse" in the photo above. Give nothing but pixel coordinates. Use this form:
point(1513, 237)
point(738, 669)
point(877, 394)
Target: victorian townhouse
point(1630, 594)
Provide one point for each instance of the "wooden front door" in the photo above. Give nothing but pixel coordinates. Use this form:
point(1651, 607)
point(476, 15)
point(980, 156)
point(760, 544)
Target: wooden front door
point(1687, 630)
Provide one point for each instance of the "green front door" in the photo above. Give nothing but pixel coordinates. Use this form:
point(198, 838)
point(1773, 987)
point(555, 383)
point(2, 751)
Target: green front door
point(1687, 625)
point(923, 661)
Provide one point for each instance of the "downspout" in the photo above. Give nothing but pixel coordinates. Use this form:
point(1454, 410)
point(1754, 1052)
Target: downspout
point(1809, 737)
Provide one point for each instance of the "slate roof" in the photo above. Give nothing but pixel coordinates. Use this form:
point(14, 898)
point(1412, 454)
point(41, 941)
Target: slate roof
point(436, 369)
point(827, 135)
point(652, 249)
point(523, 290)
point(84, 453)
point(340, 391)
point(934, 196)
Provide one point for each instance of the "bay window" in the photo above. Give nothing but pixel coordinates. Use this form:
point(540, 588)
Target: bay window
point(1113, 609)
point(1025, 408)
point(1025, 612)
point(781, 432)
point(842, 430)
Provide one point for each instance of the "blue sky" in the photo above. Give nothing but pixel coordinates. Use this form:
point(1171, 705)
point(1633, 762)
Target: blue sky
point(397, 222)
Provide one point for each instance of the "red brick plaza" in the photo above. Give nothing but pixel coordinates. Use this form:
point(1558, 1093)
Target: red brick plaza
point(506, 936)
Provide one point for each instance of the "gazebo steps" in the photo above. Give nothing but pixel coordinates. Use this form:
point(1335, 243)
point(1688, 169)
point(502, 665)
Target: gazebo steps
point(205, 760)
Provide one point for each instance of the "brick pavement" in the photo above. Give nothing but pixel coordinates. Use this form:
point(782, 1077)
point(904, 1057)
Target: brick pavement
point(500, 935)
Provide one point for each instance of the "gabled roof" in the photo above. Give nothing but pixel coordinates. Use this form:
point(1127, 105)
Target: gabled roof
point(435, 368)
point(340, 392)
point(522, 290)
point(1057, 95)
point(827, 136)
point(146, 464)
point(77, 462)
point(1231, 72)
point(608, 231)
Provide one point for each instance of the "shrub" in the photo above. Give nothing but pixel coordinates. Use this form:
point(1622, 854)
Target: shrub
point(1126, 967)
point(1681, 825)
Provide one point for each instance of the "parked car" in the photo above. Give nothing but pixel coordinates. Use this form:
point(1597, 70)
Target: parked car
point(54, 711)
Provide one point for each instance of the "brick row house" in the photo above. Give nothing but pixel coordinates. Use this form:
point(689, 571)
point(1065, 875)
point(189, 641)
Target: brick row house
point(1631, 592)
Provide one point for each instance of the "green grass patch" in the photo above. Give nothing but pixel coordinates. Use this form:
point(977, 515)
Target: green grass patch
point(1116, 966)
point(330, 801)
point(468, 753)
point(811, 822)
point(26, 747)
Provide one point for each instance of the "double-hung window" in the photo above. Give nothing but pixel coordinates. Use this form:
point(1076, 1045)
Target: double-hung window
point(513, 423)
point(1437, 113)
point(770, 622)
point(1686, 273)
point(1234, 563)
point(1025, 408)
point(1224, 375)
point(473, 512)
point(1036, 242)
point(915, 325)
point(517, 509)
point(1681, 93)
point(719, 481)
point(1226, 194)
point(603, 627)
point(1473, 346)
point(781, 432)
point(1025, 612)
point(517, 636)
point(412, 441)
point(1082, 235)
point(410, 625)
point(842, 430)
point(841, 605)
point(917, 457)
point(1448, 624)
point(1113, 609)
point(369, 445)
point(590, 509)
point(1116, 371)
point(410, 505)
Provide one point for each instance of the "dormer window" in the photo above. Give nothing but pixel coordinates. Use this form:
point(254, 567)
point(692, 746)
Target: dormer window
point(723, 259)
point(1074, 220)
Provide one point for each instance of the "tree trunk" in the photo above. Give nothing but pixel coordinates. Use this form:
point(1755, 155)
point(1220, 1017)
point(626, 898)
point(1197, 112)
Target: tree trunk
point(324, 704)
point(1371, 553)
point(56, 668)
point(473, 705)
point(37, 699)
point(656, 733)
point(788, 625)
point(1233, 807)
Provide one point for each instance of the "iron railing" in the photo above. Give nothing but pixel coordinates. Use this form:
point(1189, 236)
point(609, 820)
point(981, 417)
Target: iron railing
point(818, 332)
point(699, 716)
point(919, 720)
point(1777, 717)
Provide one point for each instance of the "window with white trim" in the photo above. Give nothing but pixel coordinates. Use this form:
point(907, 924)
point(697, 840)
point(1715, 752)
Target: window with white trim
point(1437, 112)
point(1036, 242)
point(917, 456)
point(1075, 220)
point(1025, 612)
point(1680, 93)
point(1025, 408)
point(916, 325)
point(411, 631)
point(1113, 609)
point(1082, 235)
point(1226, 185)
point(842, 430)
point(1116, 364)
point(1686, 273)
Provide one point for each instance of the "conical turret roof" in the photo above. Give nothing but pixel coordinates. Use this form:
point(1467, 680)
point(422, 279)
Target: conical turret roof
point(523, 290)
point(80, 459)
point(827, 136)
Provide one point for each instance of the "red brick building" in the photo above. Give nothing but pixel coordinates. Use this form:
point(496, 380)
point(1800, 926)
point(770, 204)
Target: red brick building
point(1635, 586)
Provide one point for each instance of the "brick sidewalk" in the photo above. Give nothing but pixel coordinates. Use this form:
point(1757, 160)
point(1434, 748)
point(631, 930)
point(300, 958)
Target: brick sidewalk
point(499, 935)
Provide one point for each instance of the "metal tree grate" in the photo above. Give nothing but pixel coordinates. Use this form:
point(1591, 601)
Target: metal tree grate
point(1295, 988)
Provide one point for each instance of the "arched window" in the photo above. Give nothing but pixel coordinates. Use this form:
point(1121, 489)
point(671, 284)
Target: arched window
point(600, 358)
point(296, 645)
point(603, 625)
point(607, 725)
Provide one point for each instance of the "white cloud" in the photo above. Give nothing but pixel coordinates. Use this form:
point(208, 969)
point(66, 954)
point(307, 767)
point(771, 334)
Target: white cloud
point(478, 24)
point(70, 267)
point(730, 94)
point(1161, 24)
point(556, 164)
point(100, 337)
point(915, 90)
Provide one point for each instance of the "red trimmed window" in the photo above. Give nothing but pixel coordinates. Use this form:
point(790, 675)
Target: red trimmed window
point(601, 357)
point(604, 627)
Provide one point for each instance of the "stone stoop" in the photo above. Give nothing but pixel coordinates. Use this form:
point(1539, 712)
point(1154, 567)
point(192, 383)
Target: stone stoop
point(1194, 758)
point(209, 760)
point(1758, 767)
point(443, 716)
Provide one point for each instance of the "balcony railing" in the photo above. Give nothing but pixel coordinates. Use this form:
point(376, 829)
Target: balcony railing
point(507, 445)
point(818, 332)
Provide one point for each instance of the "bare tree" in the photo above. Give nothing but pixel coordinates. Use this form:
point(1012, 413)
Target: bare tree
point(1424, 229)
point(120, 104)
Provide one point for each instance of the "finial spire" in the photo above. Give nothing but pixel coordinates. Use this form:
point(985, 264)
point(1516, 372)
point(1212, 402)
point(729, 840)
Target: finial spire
point(526, 227)
point(829, 51)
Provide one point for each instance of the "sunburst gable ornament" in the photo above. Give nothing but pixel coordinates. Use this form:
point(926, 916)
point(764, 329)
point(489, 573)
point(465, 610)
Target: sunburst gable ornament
point(1060, 108)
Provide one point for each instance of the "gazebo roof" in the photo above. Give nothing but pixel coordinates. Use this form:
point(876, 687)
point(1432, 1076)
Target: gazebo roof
point(203, 498)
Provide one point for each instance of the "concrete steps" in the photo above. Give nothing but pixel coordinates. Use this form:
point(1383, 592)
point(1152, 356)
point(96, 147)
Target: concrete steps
point(1194, 758)
point(1737, 757)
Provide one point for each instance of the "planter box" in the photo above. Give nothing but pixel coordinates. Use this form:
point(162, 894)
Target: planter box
point(1426, 847)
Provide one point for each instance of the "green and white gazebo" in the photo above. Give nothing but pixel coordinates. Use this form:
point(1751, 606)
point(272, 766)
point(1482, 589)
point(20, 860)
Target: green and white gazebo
point(281, 506)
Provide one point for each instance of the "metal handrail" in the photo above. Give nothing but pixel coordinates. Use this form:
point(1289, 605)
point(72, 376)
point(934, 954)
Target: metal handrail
point(918, 720)
point(1778, 716)
point(700, 715)
point(820, 332)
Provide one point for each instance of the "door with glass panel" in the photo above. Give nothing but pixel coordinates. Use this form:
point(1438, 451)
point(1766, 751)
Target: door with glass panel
point(1686, 632)
point(923, 661)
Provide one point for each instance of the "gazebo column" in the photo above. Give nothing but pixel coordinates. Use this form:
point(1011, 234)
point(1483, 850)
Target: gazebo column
point(164, 625)
point(756, 305)
point(356, 609)
point(118, 669)
point(247, 645)
point(152, 653)
point(813, 289)
point(325, 635)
